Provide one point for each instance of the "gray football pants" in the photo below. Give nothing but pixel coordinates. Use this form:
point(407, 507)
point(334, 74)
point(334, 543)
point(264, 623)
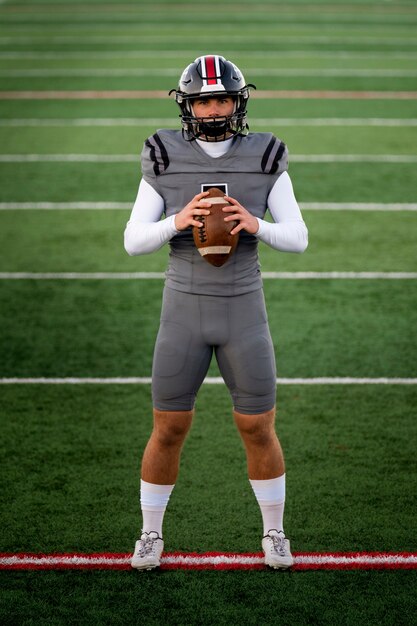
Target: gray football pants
point(235, 328)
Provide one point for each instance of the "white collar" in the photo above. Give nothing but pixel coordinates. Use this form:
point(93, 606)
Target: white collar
point(215, 149)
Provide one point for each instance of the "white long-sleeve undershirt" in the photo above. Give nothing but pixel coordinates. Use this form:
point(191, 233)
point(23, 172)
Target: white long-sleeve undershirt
point(146, 232)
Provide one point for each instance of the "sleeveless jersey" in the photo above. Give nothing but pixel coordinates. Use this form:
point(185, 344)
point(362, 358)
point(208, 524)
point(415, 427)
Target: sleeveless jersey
point(178, 169)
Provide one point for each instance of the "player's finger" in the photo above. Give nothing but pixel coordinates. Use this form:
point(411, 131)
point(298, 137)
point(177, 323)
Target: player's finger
point(197, 223)
point(229, 209)
point(236, 216)
point(237, 229)
point(201, 195)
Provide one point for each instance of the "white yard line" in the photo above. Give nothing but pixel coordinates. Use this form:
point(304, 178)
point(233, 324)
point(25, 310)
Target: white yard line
point(185, 54)
point(335, 121)
point(358, 206)
point(134, 158)
point(78, 158)
point(340, 275)
point(161, 275)
point(353, 158)
point(153, 36)
point(306, 206)
point(257, 71)
point(147, 94)
point(63, 206)
point(208, 381)
point(181, 54)
point(169, 122)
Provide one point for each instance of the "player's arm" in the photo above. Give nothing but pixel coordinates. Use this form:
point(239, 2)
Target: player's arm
point(145, 231)
point(288, 233)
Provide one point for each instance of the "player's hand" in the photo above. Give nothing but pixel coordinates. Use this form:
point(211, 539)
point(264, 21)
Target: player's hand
point(238, 213)
point(197, 206)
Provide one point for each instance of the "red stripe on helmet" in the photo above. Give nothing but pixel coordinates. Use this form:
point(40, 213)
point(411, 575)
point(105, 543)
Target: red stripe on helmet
point(211, 70)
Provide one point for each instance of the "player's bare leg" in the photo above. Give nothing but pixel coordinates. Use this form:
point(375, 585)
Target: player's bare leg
point(160, 462)
point(160, 466)
point(266, 470)
point(264, 455)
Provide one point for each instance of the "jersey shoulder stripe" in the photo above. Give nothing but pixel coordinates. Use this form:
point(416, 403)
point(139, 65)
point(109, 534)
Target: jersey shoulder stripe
point(158, 154)
point(272, 155)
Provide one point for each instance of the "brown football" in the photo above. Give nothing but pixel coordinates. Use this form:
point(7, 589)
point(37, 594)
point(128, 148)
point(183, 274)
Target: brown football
point(213, 238)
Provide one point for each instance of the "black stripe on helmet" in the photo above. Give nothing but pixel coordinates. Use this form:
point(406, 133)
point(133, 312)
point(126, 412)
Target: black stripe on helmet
point(158, 154)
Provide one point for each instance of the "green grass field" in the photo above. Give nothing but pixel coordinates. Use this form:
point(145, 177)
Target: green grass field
point(70, 454)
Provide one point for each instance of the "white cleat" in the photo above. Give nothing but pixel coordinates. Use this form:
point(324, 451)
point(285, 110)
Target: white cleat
point(277, 550)
point(148, 550)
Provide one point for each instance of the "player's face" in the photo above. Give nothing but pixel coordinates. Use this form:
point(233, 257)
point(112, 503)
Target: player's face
point(213, 107)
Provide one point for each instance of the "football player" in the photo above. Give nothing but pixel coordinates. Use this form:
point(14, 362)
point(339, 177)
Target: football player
point(208, 309)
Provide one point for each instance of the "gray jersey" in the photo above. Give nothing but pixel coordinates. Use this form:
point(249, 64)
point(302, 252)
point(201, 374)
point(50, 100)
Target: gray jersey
point(177, 169)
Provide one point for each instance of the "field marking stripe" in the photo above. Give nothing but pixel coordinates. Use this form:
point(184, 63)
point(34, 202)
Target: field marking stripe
point(215, 380)
point(308, 206)
point(180, 54)
point(144, 36)
point(164, 122)
point(283, 72)
point(358, 206)
point(134, 158)
point(125, 94)
point(77, 158)
point(161, 275)
point(353, 158)
point(211, 560)
point(6, 206)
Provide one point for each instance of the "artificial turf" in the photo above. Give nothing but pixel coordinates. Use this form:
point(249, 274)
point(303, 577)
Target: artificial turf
point(70, 454)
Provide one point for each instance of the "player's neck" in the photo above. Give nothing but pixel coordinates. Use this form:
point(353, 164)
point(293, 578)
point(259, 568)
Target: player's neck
point(215, 149)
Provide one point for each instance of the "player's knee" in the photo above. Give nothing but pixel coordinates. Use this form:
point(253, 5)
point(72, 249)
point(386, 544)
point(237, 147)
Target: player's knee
point(256, 429)
point(171, 427)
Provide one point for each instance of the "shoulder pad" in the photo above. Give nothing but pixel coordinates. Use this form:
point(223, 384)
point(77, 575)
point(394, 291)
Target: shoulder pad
point(157, 154)
point(275, 157)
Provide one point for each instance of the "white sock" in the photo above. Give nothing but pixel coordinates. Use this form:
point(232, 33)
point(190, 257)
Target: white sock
point(153, 502)
point(270, 495)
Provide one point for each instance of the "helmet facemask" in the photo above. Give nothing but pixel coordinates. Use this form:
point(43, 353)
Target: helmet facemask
point(213, 128)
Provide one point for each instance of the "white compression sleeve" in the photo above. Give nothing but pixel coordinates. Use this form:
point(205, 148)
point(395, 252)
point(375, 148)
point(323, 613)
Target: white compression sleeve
point(288, 233)
point(145, 231)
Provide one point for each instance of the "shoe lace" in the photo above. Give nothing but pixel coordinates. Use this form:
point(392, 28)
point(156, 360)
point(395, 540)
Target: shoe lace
point(147, 546)
point(278, 543)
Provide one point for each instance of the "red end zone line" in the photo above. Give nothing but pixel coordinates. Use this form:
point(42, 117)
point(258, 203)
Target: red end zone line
point(211, 560)
point(139, 95)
